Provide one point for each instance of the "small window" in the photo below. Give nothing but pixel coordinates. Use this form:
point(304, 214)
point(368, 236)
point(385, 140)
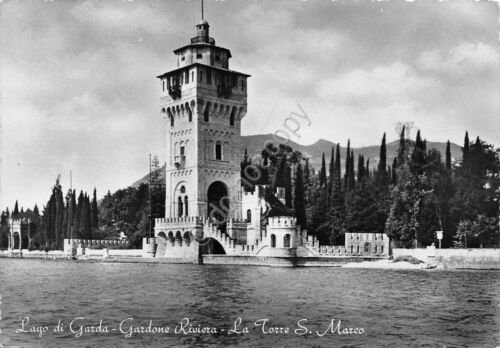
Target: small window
point(209, 77)
point(217, 58)
point(199, 56)
point(163, 85)
point(249, 215)
point(190, 115)
point(381, 249)
point(183, 189)
point(192, 76)
point(273, 241)
point(183, 152)
point(183, 58)
point(187, 77)
point(206, 115)
point(243, 84)
point(286, 241)
point(375, 249)
point(231, 118)
point(179, 208)
point(218, 151)
point(186, 205)
point(200, 76)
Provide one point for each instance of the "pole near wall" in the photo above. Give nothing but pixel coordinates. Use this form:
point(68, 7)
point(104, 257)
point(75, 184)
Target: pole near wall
point(149, 193)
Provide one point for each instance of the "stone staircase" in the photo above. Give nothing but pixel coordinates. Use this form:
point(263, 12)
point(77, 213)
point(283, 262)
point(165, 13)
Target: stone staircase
point(161, 248)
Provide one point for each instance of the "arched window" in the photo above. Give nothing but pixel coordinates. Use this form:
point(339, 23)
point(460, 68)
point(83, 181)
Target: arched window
point(249, 215)
point(179, 208)
point(171, 117)
point(357, 249)
point(190, 115)
point(206, 115)
point(231, 118)
point(375, 249)
point(352, 249)
point(286, 241)
point(218, 150)
point(381, 249)
point(273, 241)
point(186, 205)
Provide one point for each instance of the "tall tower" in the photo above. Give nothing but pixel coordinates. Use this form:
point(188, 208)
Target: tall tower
point(204, 102)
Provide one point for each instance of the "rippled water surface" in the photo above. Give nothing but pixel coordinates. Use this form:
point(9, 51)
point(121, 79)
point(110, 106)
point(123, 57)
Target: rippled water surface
point(394, 308)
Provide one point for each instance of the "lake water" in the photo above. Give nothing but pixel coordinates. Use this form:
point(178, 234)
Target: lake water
point(393, 308)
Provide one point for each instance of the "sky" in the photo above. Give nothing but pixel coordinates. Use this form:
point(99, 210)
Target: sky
point(78, 87)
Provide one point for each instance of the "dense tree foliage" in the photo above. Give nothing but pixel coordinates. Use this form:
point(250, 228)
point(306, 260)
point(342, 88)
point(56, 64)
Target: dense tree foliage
point(409, 200)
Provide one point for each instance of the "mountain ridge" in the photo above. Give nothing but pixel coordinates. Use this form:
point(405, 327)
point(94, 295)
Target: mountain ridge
point(255, 143)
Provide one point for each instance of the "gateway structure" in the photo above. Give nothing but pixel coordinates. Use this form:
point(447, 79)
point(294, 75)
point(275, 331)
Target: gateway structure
point(204, 102)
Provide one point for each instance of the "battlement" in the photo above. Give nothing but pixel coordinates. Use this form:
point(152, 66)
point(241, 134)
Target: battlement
point(282, 222)
point(365, 236)
point(178, 220)
point(90, 242)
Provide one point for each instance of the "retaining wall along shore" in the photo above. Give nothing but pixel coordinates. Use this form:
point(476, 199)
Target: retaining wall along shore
point(455, 258)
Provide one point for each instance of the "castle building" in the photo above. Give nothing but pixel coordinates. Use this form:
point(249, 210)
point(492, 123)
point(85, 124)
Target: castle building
point(206, 209)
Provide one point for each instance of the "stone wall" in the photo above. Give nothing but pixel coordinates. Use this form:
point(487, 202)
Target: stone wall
point(91, 243)
point(455, 258)
point(366, 244)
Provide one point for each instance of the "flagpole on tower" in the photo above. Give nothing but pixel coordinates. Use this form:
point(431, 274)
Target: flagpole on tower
point(202, 15)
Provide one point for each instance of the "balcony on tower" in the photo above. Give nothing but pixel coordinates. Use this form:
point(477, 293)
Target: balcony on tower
point(180, 162)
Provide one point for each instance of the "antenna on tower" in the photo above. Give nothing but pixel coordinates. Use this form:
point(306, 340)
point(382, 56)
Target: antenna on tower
point(202, 16)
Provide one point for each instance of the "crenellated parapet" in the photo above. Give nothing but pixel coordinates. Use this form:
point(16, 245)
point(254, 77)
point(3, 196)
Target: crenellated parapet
point(282, 222)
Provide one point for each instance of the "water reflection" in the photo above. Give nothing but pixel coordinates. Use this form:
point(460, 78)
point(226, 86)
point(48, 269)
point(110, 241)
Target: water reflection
point(394, 307)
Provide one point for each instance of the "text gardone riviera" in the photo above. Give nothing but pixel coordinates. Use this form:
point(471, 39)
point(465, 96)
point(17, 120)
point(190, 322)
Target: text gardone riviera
point(129, 327)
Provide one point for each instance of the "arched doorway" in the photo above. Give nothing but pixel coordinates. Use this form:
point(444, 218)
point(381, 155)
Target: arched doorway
point(273, 241)
point(218, 203)
point(211, 246)
point(367, 248)
point(16, 241)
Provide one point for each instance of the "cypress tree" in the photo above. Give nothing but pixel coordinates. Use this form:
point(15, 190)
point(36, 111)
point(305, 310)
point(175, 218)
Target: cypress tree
point(367, 168)
point(337, 187)
point(382, 175)
point(88, 224)
point(418, 156)
point(466, 153)
point(15, 212)
point(94, 213)
point(361, 169)
point(330, 171)
point(322, 173)
point(394, 177)
point(448, 156)
point(59, 215)
point(78, 217)
point(300, 210)
point(307, 174)
point(347, 165)
point(288, 186)
point(351, 182)
point(401, 158)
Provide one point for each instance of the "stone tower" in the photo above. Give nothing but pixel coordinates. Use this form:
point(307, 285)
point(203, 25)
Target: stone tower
point(204, 102)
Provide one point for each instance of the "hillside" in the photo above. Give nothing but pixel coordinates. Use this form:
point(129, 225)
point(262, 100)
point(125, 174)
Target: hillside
point(255, 143)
